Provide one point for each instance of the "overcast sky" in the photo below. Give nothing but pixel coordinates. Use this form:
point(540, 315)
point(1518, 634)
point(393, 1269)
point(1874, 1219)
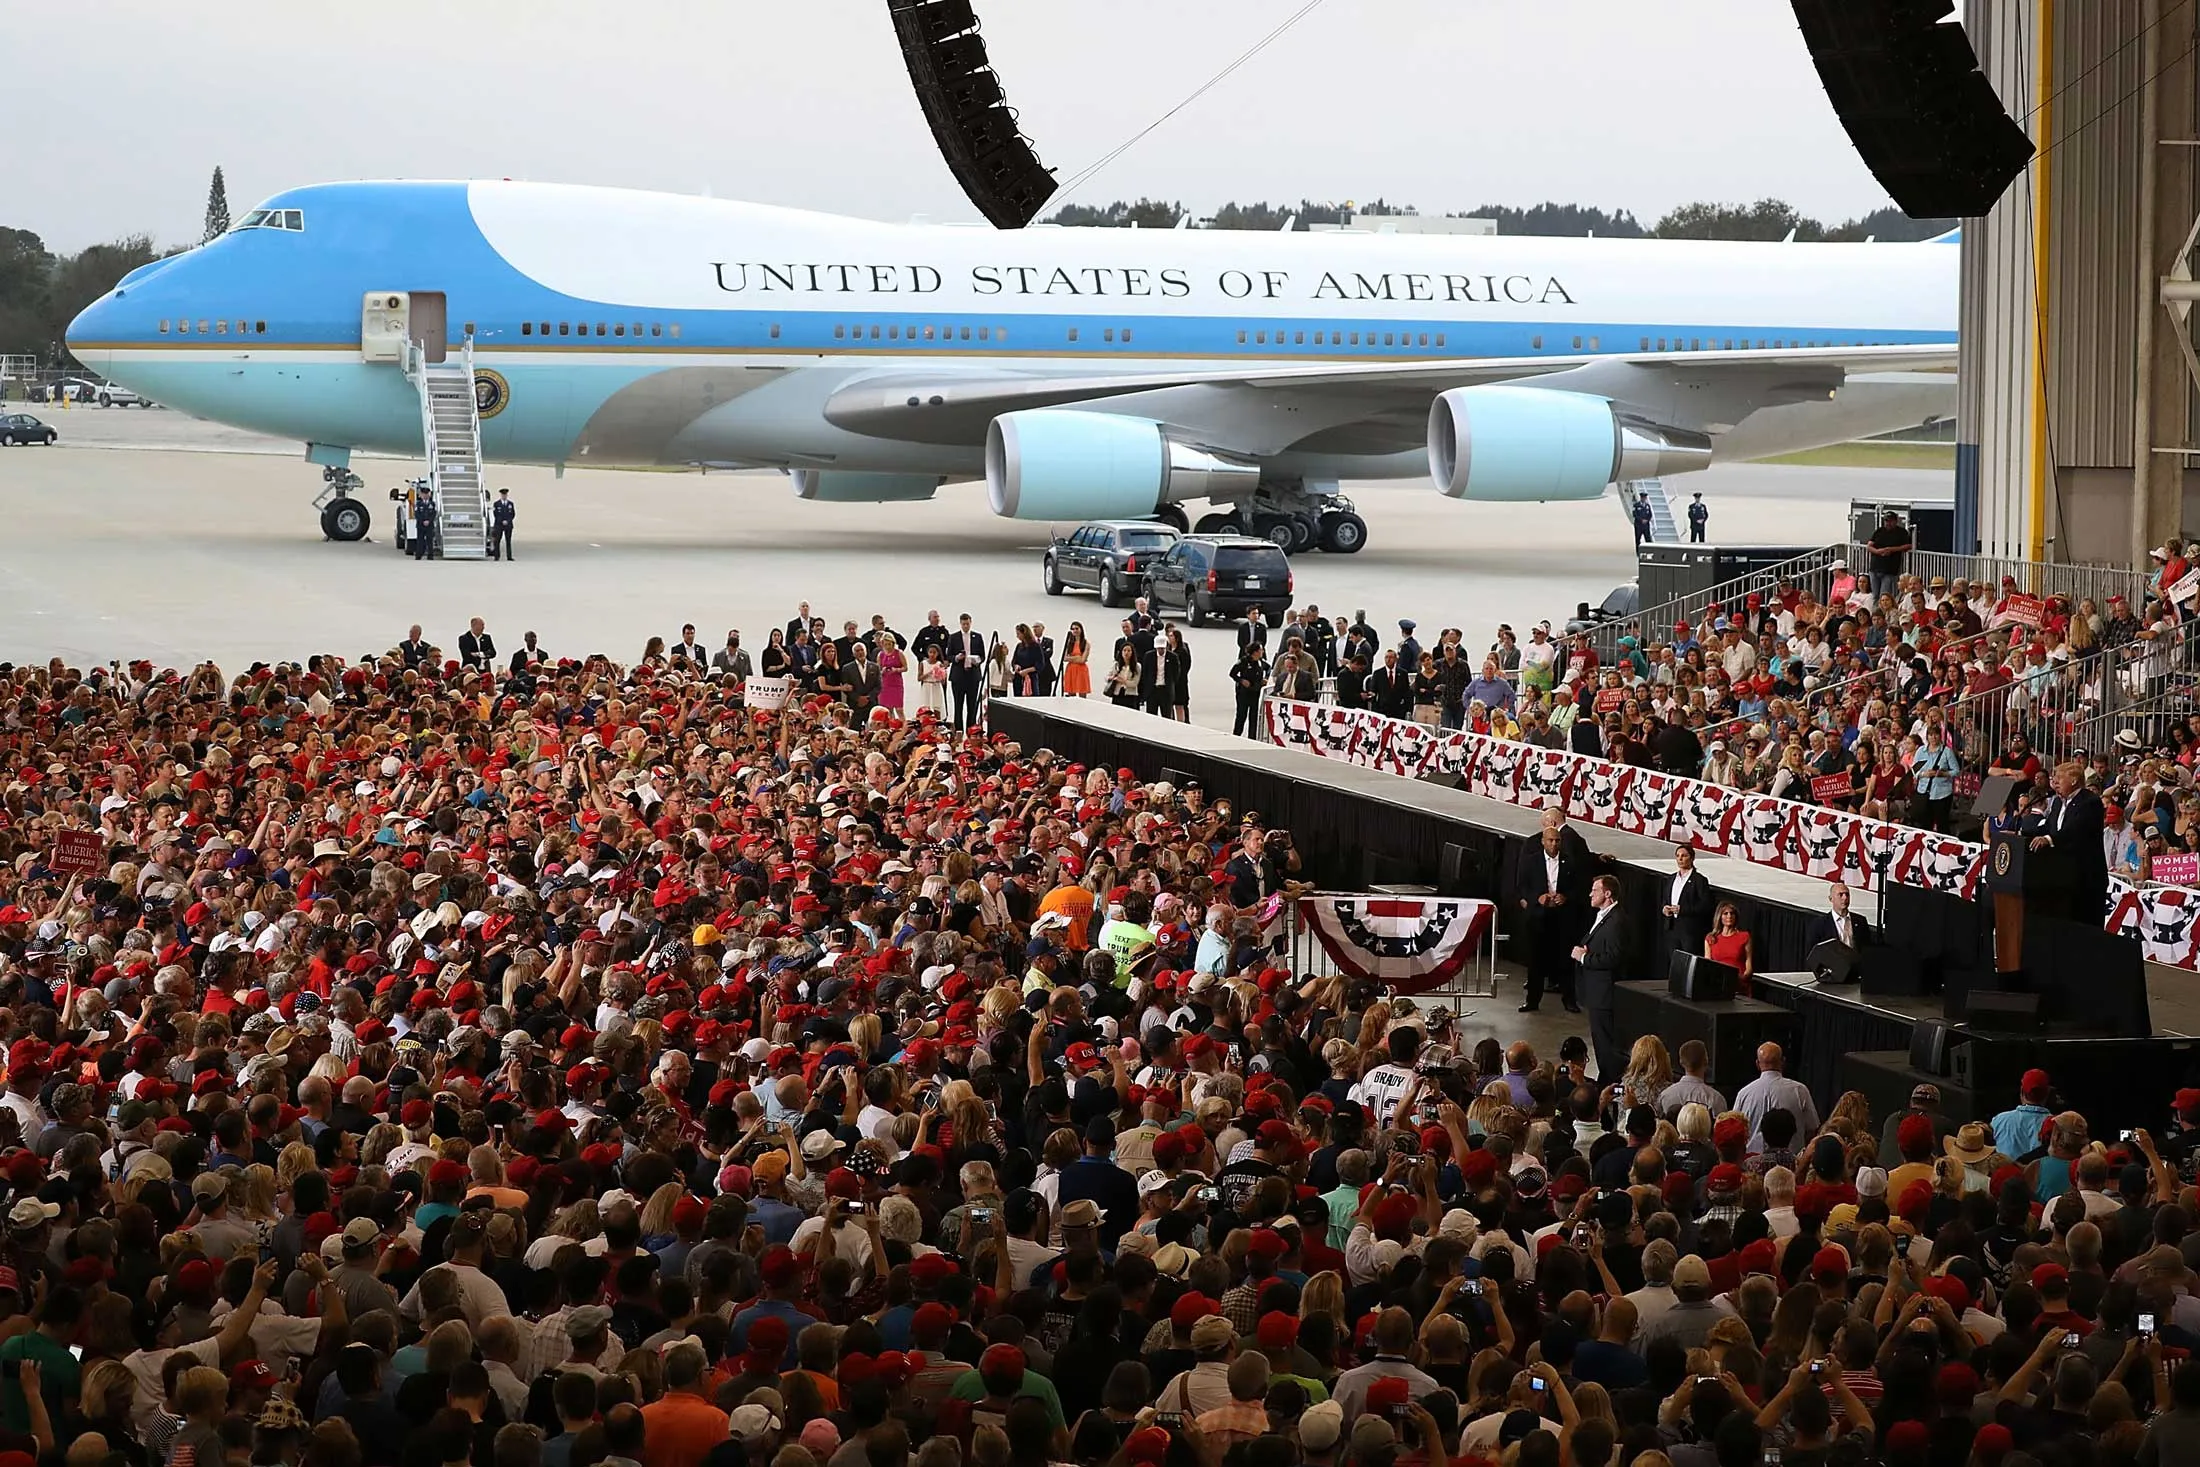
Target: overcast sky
point(1440, 103)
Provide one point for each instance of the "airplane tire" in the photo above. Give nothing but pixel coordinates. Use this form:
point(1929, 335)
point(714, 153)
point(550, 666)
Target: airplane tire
point(1216, 524)
point(1344, 533)
point(345, 520)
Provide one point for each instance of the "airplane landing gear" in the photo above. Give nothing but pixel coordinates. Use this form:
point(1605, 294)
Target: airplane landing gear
point(1295, 517)
point(1173, 514)
point(343, 517)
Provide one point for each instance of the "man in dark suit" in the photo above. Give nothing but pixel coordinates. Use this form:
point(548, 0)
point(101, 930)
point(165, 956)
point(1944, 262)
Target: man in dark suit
point(1685, 918)
point(965, 670)
point(1837, 923)
point(414, 649)
point(477, 650)
point(1390, 687)
point(1545, 895)
point(799, 622)
point(1253, 630)
point(2071, 821)
point(1598, 957)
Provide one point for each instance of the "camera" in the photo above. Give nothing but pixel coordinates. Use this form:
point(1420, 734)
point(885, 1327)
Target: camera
point(981, 1217)
point(2071, 1339)
point(2146, 1324)
point(1209, 1195)
point(1169, 1420)
point(1902, 1245)
point(1471, 1286)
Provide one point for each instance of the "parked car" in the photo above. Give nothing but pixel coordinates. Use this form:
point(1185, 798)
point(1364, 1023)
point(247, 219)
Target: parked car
point(1221, 575)
point(1108, 556)
point(114, 394)
point(23, 428)
point(1621, 604)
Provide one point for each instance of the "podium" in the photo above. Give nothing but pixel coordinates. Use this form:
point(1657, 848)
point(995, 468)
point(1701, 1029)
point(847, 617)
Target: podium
point(2025, 883)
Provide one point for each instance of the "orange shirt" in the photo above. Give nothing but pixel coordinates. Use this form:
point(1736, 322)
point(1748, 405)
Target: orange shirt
point(679, 1429)
point(511, 1197)
point(1075, 903)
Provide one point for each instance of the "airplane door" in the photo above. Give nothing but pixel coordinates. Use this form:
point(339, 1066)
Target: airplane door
point(430, 323)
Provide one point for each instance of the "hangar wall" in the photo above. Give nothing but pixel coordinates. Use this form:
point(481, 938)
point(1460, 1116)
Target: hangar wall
point(2069, 361)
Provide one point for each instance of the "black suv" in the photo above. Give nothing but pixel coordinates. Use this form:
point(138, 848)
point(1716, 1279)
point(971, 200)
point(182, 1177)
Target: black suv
point(1109, 556)
point(1221, 575)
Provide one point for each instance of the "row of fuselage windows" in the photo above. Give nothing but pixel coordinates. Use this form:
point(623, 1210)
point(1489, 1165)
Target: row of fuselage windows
point(604, 328)
point(1109, 335)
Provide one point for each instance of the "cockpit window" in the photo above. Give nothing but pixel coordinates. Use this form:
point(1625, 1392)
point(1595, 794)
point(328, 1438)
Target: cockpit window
point(293, 220)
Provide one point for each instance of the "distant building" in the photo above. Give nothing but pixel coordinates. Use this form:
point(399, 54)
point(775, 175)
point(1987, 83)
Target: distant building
point(1407, 224)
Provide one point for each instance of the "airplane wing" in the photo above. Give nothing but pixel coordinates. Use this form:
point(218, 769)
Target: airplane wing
point(1368, 407)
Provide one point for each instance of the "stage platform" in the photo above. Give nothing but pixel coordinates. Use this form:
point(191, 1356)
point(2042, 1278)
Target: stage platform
point(1357, 828)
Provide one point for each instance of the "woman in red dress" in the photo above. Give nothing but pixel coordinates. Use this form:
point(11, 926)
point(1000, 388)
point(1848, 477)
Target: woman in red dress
point(1729, 944)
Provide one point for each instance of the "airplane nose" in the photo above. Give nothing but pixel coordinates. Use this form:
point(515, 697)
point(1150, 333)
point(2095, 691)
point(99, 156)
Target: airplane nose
point(91, 336)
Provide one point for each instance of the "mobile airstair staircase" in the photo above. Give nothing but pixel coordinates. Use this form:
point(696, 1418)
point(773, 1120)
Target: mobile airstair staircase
point(450, 421)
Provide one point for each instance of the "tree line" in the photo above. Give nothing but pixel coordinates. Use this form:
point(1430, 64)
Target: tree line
point(1767, 219)
point(41, 292)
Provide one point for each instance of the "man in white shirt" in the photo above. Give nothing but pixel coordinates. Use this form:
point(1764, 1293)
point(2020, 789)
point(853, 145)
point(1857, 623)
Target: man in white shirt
point(478, 1294)
point(1772, 1090)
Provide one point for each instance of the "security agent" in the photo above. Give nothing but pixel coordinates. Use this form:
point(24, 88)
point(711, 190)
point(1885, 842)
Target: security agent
point(1837, 923)
point(1598, 957)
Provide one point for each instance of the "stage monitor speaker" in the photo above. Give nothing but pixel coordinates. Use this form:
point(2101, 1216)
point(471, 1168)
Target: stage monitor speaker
point(1886, 971)
point(1834, 962)
point(1456, 871)
point(1929, 1047)
point(1908, 90)
point(1694, 976)
point(967, 111)
point(1995, 1011)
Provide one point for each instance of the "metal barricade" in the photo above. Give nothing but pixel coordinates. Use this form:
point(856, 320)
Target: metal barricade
point(2082, 704)
point(1811, 571)
point(2095, 583)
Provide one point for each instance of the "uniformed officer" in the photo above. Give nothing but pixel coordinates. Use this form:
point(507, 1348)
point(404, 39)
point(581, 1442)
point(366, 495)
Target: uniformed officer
point(423, 541)
point(501, 515)
point(1642, 517)
point(1699, 517)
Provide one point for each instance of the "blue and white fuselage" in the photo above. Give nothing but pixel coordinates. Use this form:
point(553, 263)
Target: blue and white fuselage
point(624, 328)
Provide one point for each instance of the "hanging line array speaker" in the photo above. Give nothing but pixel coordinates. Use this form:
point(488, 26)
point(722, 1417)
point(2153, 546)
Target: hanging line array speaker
point(1908, 89)
point(968, 113)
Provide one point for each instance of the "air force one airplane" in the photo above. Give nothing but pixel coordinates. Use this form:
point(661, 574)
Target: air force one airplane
point(1082, 373)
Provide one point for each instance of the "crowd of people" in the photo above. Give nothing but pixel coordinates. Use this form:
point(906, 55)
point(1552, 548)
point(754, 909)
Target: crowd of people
point(549, 1063)
point(1888, 697)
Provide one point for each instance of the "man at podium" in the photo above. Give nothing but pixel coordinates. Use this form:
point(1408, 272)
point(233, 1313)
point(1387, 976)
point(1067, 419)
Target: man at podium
point(2071, 821)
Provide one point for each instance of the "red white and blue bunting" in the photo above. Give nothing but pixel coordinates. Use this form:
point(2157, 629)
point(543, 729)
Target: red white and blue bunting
point(1409, 944)
point(1805, 839)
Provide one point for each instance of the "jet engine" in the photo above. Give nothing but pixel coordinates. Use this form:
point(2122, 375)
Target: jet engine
point(1514, 443)
point(1062, 464)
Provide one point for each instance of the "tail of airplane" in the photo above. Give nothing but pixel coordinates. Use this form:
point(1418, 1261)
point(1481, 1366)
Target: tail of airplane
point(1953, 236)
